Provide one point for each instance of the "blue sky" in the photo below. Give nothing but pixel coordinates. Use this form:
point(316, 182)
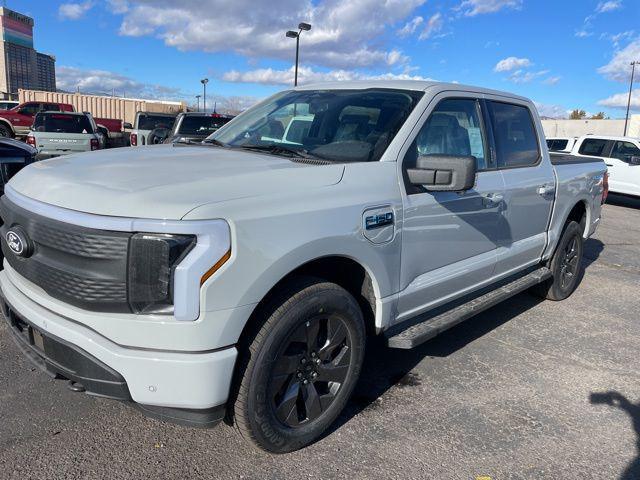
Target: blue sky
point(563, 54)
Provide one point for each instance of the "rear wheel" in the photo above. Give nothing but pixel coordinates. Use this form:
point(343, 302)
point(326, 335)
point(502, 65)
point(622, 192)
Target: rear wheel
point(300, 367)
point(565, 264)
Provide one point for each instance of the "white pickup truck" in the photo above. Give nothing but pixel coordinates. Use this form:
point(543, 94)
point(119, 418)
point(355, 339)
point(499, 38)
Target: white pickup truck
point(622, 156)
point(240, 278)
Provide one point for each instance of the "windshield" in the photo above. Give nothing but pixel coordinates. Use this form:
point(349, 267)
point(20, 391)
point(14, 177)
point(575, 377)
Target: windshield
point(340, 125)
point(61, 123)
point(151, 122)
point(200, 125)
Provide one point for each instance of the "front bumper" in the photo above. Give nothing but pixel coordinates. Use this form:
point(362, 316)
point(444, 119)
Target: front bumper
point(189, 388)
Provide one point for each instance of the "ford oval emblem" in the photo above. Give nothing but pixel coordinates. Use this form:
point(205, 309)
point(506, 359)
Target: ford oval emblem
point(18, 242)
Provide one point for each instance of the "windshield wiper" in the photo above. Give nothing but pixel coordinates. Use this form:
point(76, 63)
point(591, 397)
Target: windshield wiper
point(282, 150)
point(213, 141)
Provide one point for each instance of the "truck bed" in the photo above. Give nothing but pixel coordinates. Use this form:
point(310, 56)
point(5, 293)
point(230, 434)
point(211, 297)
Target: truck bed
point(567, 158)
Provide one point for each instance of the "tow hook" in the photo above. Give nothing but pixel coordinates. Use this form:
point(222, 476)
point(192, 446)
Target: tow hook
point(76, 387)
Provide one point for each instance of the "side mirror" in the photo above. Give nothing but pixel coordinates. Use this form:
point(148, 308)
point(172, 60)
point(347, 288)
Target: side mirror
point(634, 160)
point(444, 173)
point(127, 125)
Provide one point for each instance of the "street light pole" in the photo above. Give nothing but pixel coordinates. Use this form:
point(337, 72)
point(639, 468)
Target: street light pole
point(293, 34)
point(204, 82)
point(626, 118)
point(198, 99)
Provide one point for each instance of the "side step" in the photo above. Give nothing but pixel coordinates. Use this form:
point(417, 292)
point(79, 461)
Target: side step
point(431, 327)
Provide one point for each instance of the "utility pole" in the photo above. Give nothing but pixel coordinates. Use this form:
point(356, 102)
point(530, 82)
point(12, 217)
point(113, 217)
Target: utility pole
point(204, 82)
point(293, 34)
point(198, 99)
point(626, 118)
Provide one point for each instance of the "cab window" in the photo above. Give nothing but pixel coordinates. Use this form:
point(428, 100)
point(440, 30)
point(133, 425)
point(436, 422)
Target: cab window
point(624, 151)
point(453, 128)
point(515, 135)
point(593, 147)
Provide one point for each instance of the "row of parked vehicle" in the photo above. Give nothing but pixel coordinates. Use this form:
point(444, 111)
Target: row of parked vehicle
point(56, 129)
point(621, 155)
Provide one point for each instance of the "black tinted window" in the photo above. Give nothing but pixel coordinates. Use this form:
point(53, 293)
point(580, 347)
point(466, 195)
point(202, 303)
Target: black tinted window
point(61, 123)
point(515, 135)
point(593, 146)
point(624, 151)
point(200, 125)
point(151, 122)
point(557, 144)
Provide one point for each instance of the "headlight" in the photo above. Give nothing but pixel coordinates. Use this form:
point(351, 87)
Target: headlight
point(152, 259)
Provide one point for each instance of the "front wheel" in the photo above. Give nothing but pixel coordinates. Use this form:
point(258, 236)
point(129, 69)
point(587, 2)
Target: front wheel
point(300, 367)
point(565, 265)
point(5, 132)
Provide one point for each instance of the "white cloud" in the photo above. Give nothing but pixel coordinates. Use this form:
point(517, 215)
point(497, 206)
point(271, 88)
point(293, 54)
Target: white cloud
point(74, 11)
point(618, 37)
point(608, 6)
point(345, 33)
point(102, 82)
point(619, 100)
point(550, 110)
point(552, 80)
point(433, 26)
point(306, 75)
point(511, 63)
point(582, 33)
point(471, 8)
point(118, 6)
point(619, 68)
point(410, 27)
point(522, 76)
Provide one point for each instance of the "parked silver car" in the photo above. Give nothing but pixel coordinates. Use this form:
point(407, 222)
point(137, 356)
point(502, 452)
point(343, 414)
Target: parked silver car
point(62, 133)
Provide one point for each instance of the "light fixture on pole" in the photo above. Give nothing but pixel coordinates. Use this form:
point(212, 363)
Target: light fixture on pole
point(204, 82)
point(293, 34)
point(198, 100)
point(626, 118)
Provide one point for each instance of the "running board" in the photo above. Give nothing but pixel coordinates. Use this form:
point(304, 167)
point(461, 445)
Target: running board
point(427, 329)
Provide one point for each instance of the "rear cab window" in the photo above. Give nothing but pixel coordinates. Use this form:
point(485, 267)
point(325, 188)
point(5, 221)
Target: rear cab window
point(151, 122)
point(62, 123)
point(557, 144)
point(515, 135)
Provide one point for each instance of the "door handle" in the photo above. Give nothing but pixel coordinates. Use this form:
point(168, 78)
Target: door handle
point(545, 190)
point(490, 200)
point(609, 164)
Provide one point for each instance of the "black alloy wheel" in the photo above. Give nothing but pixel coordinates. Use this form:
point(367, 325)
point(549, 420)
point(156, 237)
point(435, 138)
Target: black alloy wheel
point(310, 370)
point(298, 365)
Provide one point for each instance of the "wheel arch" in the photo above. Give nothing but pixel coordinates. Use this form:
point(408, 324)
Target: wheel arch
point(349, 273)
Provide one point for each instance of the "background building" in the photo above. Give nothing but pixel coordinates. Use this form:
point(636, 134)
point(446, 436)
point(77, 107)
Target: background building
point(20, 65)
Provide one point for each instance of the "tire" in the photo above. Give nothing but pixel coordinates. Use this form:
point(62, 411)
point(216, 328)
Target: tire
point(5, 131)
point(299, 367)
point(565, 265)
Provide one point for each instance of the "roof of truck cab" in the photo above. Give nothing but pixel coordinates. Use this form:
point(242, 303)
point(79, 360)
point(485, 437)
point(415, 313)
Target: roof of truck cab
point(610, 137)
point(416, 85)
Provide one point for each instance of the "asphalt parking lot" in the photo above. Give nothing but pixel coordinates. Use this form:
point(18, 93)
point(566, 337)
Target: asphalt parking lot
point(509, 394)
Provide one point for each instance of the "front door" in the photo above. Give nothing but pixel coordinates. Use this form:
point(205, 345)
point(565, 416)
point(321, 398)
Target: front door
point(624, 176)
point(449, 239)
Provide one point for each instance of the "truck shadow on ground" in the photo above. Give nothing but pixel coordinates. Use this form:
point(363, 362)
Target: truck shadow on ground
point(617, 400)
point(386, 368)
point(623, 201)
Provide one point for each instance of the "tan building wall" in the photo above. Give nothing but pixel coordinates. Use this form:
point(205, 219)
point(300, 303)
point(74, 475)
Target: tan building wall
point(124, 109)
point(577, 128)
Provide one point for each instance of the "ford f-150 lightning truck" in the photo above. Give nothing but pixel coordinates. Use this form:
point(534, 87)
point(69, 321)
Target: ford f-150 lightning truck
point(240, 278)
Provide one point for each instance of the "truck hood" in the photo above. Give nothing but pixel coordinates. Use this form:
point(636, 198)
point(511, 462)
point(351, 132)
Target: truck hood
point(164, 181)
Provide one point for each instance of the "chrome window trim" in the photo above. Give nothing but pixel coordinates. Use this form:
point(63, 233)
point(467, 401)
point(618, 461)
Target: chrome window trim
point(213, 241)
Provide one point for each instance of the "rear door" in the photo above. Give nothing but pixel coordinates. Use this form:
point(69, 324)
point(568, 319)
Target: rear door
point(449, 239)
point(624, 176)
point(529, 183)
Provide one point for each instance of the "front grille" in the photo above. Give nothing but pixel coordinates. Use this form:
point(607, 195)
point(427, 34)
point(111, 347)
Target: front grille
point(80, 266)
